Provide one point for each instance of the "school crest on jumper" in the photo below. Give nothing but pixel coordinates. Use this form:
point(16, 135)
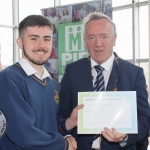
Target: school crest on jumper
point(56, 97)
point(3, 124)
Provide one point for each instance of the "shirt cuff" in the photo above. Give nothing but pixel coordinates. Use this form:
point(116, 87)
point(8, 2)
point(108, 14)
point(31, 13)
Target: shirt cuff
point(62, 128)
point(67, 136)
point(124, 142)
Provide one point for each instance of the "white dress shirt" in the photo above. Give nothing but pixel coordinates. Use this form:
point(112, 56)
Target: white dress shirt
point(29, 70)
point(107, 65)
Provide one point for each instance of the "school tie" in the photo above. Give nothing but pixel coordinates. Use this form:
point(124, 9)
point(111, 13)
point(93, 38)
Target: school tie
point(99, 81)
point(99, 86)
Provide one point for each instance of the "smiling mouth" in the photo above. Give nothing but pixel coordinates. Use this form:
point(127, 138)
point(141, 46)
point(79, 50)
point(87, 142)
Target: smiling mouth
point(40, 51)
point(98, 51)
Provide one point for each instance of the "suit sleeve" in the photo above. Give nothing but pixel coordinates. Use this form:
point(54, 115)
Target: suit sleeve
point(143, 111)
point(65, 103)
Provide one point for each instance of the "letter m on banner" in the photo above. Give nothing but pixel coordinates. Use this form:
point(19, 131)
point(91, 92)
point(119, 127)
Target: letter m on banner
point(74, 38)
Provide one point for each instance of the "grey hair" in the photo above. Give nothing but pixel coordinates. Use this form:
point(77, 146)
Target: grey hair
point(98, 16)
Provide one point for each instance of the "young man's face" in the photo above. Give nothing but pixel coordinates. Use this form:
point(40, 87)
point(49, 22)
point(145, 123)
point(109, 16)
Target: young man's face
point(99, 40)
point(36, 44)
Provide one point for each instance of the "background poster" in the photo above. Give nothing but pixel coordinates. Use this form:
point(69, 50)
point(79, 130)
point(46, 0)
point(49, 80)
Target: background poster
point(68, 44)
point(71, 45)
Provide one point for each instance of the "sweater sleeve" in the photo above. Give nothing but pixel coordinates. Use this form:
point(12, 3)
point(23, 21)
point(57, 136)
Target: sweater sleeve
point(21, 129)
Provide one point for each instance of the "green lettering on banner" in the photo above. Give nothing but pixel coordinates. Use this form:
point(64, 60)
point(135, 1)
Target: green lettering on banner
point(75, 40)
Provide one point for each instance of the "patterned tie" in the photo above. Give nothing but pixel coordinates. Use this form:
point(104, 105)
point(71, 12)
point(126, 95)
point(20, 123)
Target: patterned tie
point(99, 82)
point(99, 86)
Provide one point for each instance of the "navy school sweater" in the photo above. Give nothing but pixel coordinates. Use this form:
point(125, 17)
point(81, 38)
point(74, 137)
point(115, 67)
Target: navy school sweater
point(30, 107)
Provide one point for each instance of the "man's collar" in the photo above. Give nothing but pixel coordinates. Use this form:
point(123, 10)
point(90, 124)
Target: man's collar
point(29, 70)
point(106, 65)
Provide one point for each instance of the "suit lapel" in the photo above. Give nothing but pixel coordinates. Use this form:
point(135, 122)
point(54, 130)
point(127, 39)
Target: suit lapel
point(113, 79)
point(87, 80)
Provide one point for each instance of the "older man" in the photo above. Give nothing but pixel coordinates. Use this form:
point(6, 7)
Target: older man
point(80, 76)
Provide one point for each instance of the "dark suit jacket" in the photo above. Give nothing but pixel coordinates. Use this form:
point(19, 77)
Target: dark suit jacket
point(125, 77)
point(143, 143)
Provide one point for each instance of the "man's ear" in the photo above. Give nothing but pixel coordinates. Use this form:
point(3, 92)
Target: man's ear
point(114, 40)
point(19, 43)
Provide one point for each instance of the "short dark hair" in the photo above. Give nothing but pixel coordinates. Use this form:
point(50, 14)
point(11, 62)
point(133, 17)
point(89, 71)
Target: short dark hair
point(34, 20)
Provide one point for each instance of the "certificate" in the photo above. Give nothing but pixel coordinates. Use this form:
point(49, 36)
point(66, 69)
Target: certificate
point(107, 109)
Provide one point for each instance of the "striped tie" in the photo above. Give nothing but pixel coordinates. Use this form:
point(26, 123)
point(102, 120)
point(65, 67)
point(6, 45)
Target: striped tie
point(99, 81)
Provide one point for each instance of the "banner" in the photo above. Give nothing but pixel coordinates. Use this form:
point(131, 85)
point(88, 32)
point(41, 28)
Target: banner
point(68, 44)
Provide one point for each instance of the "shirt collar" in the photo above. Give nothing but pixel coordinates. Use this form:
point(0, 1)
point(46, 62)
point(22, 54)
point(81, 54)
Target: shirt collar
point(106, 65)
point(29, 70)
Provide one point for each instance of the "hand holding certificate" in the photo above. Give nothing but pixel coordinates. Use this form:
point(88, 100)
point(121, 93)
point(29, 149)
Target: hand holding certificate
point(107, 109)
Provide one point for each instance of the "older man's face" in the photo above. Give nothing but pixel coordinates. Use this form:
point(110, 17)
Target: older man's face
point(99, 40)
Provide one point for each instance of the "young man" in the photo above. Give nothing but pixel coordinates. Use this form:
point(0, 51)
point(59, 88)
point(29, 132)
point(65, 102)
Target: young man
point(28, 94)
point(119, 75)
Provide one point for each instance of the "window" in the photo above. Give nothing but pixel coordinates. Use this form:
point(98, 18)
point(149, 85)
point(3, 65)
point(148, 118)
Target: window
point(142, 0)
point(6, 47)
point(116, 3)
point(6, 12)
point(29, 7)
point(123, 21)
point(143, 31)
point(66, 2)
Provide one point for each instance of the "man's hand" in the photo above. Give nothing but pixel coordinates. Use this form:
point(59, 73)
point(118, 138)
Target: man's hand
point(72, 143)
point(71, 122)
point(113, 136)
